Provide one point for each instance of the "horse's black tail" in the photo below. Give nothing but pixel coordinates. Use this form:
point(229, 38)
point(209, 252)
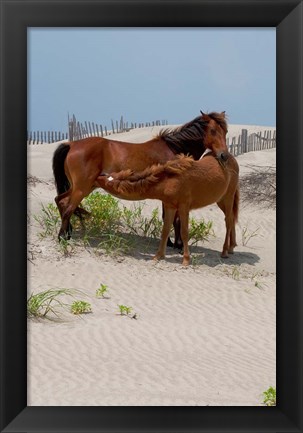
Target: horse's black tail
point(61, 181)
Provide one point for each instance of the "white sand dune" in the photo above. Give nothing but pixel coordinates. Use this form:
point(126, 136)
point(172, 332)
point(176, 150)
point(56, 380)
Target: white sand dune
point(204, 335)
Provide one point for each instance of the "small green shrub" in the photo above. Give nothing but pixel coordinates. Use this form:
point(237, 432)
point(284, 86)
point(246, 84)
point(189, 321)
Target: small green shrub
point(199, 230)
point(270, 398)
point(124, 310)
point(81, 307)
point(105, 214)
point(135, 222)
point(101, 291)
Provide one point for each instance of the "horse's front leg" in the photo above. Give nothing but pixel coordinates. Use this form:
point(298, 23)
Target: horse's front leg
point(169, 215)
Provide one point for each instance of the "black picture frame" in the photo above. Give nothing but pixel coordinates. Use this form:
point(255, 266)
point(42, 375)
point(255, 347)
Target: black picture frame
point(16, 17)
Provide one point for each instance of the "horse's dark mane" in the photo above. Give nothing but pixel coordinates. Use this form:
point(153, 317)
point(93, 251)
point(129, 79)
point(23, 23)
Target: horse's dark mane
point(189, 138)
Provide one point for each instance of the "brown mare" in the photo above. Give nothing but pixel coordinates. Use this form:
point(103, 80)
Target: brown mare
point(77, 164)
point(183, 184)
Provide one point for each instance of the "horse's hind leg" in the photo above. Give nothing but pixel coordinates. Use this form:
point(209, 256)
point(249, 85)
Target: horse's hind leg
point(67, 204)
point(232, 241)
point(228, 247)
point(169, 215)
point(62, 201)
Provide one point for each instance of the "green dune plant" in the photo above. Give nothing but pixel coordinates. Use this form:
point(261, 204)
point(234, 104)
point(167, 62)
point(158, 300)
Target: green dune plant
point(199, 230)
point(102, 291)
point(42, 304)
point(81, 307)
point(270, 397)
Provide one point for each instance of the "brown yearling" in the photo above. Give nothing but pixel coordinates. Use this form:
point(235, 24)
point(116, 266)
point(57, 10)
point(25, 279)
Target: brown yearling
point(183, 184)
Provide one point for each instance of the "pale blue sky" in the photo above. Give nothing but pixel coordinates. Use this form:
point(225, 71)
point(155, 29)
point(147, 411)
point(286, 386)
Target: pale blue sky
point(147, 74)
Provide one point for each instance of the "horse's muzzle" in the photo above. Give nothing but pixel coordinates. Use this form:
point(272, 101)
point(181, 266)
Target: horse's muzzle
point(222, 156)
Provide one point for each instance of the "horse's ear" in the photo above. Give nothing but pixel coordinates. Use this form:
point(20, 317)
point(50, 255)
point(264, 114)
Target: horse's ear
point(223, 113)
point(203, 114)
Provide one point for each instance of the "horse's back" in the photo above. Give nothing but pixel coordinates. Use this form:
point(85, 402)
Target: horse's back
point(207, 181)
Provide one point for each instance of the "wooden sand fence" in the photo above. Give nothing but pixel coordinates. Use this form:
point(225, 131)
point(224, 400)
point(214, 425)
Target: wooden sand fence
point(40, 137)
point(249, 143)
point(77, 130)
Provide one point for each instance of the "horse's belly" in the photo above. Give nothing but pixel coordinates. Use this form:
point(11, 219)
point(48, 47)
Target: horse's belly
point(207, 194)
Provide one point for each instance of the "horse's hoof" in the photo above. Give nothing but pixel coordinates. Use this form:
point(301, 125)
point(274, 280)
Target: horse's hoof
point(185, 263)
point(224, 255)
point(157, 258)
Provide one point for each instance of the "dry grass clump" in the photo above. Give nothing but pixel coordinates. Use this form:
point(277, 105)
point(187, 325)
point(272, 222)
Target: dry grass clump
point(259, 186)
point(33, 180)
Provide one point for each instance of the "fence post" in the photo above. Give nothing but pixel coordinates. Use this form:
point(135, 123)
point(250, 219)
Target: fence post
point(244, 140)
point(239, 146)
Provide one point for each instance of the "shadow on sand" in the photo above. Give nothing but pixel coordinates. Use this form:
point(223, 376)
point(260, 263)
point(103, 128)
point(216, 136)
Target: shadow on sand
point(144, 248)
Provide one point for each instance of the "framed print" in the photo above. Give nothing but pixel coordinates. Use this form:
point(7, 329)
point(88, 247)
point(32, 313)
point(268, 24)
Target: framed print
point(17, 18)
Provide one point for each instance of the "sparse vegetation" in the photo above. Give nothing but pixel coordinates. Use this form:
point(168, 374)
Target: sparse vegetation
point(247, 235)
point(67, 247)
point(259, 186)
point(109, 227)
point(270, 397)
point(49, 220)
point(233, 271)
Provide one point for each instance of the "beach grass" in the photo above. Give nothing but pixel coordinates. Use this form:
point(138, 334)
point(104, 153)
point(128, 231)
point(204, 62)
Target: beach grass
point(42, 304)
point(111, 227)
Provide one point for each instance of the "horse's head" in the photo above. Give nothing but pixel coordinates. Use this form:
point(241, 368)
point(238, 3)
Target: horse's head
point(215, 131)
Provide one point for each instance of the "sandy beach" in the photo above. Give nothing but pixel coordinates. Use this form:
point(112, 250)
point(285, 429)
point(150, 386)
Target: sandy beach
point(203, 335)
